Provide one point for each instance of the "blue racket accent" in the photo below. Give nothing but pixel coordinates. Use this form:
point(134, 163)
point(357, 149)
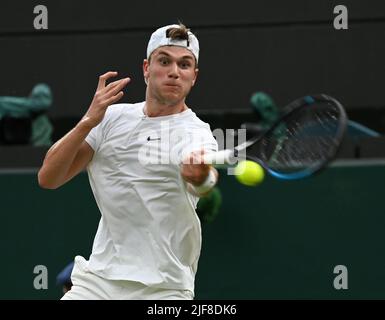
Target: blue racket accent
point(291, 176)
point(309, 99)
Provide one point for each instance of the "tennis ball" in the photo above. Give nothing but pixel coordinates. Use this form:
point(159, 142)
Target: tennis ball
point(249, 173)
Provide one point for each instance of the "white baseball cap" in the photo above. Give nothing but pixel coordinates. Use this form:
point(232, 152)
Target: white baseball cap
point(161, 38)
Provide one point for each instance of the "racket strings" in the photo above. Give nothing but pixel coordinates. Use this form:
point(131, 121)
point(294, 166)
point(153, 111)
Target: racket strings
point(306, 139)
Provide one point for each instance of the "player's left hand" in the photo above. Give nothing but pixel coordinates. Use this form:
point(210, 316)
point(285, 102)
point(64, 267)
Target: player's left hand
point(193, 170)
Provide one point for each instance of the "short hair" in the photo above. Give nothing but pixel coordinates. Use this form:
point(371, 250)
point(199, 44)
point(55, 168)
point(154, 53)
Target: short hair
point(180, 33)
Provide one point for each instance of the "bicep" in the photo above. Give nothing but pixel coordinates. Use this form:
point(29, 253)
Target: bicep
point(82, 158)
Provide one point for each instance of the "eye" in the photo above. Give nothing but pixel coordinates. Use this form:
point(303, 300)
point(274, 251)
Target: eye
point(185, 64)
point(164, 61)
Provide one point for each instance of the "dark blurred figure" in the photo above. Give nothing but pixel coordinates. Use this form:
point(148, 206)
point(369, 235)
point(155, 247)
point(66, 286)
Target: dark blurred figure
point(266, 112)
point(209, 205)
point(266, 108)
point(23, 120)
point(63, 279)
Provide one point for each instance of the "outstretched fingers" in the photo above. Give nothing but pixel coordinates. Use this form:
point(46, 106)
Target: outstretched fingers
point(114, 98)
point(104, 77)
point(114, 92)
point(116, 86)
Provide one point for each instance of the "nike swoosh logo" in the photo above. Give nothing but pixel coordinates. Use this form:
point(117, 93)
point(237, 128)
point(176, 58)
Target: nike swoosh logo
point(152, 139)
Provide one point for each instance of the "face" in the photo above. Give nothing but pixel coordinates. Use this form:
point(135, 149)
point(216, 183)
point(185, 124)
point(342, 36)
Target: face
point(170, 74)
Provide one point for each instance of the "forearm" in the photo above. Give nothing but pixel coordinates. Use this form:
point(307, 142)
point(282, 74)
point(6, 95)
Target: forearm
point(61, 155)
point(70, 154)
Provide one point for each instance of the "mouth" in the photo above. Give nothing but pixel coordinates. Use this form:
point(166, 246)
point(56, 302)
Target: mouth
point(172, 85)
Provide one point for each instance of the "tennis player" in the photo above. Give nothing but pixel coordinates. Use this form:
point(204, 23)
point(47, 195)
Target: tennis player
point(145, 168)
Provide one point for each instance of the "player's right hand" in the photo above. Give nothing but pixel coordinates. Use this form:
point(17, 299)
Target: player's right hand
point(104, 97)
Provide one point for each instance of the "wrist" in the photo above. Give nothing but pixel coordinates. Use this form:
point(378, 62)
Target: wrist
point(85, 124)
point(207, 185)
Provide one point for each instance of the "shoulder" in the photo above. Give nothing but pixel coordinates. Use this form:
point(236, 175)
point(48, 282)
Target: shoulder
point(199, 130)
point(195, 122)
point(118, 115)
point(115, 111)
point(119, 108)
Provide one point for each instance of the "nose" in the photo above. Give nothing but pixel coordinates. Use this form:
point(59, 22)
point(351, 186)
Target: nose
point(173, 71)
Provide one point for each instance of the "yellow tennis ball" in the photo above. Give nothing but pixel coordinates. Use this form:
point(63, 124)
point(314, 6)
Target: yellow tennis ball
point(249, 173)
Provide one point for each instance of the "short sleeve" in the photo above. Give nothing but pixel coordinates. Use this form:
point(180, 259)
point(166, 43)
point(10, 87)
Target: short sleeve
point(94, 137)
point(97, 134)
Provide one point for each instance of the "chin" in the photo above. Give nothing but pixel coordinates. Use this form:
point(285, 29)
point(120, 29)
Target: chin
point(170, 99)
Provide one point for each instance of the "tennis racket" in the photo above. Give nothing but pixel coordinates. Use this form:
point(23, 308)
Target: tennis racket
point(301, 143)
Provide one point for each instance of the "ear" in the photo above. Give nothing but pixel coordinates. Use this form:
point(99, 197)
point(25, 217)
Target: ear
point(146, 72)
point(195, 77)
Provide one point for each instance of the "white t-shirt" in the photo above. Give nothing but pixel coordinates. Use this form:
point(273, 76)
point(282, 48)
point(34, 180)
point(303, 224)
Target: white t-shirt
point(149, 231)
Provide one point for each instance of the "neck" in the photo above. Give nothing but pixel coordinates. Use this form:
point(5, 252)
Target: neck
point(154, 108)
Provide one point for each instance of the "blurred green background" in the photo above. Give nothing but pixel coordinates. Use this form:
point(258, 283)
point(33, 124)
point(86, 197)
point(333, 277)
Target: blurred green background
point(279, 240)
